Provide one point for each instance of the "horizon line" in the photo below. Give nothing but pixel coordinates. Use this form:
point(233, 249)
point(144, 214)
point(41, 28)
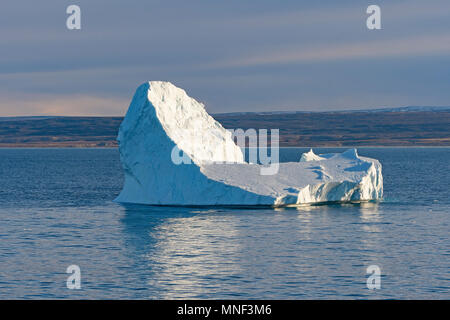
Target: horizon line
point(375, 109)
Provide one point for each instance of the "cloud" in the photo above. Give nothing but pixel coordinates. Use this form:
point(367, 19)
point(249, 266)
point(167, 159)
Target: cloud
point(67, 105)
point(234, 55)
point(379, 49)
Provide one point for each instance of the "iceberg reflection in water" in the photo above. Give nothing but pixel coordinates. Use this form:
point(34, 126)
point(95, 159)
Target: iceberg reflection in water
point(194, 253)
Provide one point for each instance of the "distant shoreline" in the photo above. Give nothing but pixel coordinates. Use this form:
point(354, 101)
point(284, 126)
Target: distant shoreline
point(320, 130)
point(281, 147)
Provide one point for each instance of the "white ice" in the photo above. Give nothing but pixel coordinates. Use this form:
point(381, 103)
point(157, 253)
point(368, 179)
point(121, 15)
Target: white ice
point(163, 118)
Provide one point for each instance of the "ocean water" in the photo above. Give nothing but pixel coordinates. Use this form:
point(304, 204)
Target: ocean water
point(56, 210)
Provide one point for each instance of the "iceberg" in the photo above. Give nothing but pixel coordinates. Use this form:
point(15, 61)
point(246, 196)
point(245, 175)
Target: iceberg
point(174, 153)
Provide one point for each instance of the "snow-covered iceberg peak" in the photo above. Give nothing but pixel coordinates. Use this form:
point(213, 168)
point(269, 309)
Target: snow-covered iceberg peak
point(183, 119)
point(310, 156)
point(162, 119)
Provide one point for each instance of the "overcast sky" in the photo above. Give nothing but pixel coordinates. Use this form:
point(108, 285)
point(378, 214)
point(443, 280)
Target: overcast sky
point(233, 55)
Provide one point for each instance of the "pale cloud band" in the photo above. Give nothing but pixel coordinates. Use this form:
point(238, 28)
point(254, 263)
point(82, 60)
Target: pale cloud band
point(66, 105)
point(424, 45)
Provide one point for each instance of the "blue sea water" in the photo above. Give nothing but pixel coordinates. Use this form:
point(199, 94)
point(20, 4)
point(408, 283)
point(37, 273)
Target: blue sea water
point(56, 210)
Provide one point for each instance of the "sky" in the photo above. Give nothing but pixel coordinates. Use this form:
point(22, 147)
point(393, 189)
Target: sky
point(234, 55)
